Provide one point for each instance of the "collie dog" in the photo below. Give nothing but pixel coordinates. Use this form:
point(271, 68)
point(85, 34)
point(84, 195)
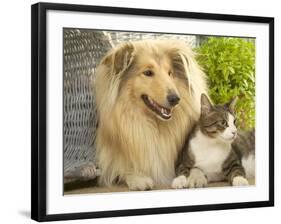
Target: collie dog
point(148, 99)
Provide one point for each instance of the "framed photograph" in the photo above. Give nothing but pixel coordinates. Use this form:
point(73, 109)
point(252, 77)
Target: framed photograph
point(140, 111)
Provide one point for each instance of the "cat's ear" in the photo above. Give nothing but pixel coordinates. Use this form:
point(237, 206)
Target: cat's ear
point(205, 104)
point(231, 104)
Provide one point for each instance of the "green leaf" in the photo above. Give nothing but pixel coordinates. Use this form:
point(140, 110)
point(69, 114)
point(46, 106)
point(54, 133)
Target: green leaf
point(232, 71)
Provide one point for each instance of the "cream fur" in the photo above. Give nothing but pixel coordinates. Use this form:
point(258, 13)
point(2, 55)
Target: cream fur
point(133, 145)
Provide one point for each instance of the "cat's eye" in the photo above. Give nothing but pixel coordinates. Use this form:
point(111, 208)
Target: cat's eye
point(148, 73)
point(235, 121)
point(170, 73)
point(223, 123)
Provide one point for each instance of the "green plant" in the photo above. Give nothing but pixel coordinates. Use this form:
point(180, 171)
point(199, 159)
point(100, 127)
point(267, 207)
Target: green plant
point(230, 67)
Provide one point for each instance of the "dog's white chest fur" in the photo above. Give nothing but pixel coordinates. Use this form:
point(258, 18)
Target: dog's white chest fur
point(209, 155)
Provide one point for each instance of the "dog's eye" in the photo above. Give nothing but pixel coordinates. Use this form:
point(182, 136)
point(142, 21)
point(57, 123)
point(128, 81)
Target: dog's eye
point(148, 73)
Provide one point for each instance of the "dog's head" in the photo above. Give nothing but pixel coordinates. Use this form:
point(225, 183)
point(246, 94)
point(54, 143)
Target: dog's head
point(151, 74)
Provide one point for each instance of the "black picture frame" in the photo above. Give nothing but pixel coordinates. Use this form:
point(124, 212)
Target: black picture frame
point(39, 107)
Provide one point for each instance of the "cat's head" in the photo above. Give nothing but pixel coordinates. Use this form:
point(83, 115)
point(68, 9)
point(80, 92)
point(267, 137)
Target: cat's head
point(218, 121)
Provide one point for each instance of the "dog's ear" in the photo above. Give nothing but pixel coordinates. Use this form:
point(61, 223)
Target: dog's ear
point(120, 59)
point(185, 66)
point(182, 63)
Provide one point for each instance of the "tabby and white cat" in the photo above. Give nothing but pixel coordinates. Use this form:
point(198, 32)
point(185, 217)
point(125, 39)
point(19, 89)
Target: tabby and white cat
point(215, 150)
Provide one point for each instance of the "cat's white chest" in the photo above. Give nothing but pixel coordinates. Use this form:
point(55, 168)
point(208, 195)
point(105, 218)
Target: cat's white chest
point(209, 156)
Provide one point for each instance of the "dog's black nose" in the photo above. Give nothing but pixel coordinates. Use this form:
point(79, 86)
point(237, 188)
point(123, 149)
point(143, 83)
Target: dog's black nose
point(173, 99)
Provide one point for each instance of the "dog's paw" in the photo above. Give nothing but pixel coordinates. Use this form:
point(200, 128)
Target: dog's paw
point(88, 171)
point(240, 181)
point(179, 182)
point(140, 183)
point(196, 179)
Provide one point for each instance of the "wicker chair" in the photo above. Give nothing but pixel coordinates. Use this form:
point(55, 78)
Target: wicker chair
point(82, 52)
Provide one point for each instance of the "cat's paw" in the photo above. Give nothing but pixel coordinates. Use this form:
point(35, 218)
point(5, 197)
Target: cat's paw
point(139, 183)
point(196, 179)
point(240, 181)
point(179, 182)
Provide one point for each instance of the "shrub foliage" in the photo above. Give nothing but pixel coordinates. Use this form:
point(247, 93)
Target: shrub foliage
point(230, 67)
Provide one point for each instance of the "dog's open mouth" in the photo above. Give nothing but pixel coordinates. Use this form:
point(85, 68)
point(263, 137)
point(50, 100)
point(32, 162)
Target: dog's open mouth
point(163, 112)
